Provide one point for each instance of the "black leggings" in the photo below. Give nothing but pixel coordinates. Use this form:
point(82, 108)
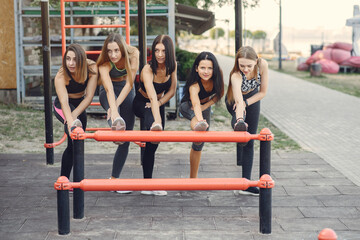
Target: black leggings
point(67, 159)
point(126, 112)
point(245, 155)
point(147, 119)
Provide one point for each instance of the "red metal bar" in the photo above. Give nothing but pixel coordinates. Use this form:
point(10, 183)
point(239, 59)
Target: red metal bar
point(96, 26)
point(95, 0)
point(127, 21)
point(52, 145)
point(167, 136)
point(170, 184)
point(93, 52)
point(95, 104)
point(63, 33)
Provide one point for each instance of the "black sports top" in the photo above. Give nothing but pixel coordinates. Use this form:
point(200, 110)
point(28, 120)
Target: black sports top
point(203, 94)
point(115, 72)
point(159, 87)
point(75, 87)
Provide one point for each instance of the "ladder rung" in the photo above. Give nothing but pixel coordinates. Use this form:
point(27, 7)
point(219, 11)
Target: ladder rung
point(93, 52)
point(96, 26)
point(94, 0)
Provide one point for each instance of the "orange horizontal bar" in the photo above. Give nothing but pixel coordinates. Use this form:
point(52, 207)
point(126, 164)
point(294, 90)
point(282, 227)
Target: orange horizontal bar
point(96, 26)
point(170, 136)
point(97, 129)
point(95, 104)
point(170, 184)
point(93, 52)
point(94, 0)
point(52, 145)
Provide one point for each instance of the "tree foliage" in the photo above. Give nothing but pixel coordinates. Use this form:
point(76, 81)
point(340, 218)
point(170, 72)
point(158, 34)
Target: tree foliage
point(220, 33)
point(259, 34)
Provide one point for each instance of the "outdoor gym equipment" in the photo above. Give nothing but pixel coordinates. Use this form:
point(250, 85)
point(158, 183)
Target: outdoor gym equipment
point(80, 184)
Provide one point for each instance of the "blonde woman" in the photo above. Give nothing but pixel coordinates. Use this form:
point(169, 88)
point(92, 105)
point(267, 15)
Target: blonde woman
point(247, 86)
point(118, 64)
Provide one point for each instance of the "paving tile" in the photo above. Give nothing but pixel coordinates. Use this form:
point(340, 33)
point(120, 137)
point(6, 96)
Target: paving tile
point(310, 224)
point(330, 212)
point(185, 223)
point(311, 190)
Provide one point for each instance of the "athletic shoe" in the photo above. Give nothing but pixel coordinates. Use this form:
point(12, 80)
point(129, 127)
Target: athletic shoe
point(156, 127)
point(240, 125)
point(201, 126)
point(118, 124)
point(156, 193)
point(252, 191)
point(76, 123)
point(121, 192)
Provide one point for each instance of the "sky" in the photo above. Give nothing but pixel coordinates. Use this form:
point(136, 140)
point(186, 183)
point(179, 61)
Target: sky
point(318, 20)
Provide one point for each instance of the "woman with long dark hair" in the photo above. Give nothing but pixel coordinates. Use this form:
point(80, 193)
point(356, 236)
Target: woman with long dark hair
point(75, 85)
point(203, 88)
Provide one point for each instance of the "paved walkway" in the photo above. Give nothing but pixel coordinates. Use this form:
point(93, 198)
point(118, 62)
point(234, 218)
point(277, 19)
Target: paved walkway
point(309, 195)
point(321, 120)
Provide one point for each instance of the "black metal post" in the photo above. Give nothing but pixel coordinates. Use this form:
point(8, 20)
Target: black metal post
point(238, 25)
point(142, 48)
point(142, 33)
point(46, 78)
point(78, 175)
point(265, 193)
point(63, 210)
point(280, 28)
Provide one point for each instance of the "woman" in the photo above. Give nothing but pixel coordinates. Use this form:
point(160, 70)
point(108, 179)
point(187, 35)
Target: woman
point(243, 99)
point(203, 88)
point(157, 85)
point(118, 64)
point(75, 85)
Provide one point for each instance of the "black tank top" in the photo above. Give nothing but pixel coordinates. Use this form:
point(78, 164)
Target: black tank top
point(203, 93)
point(115, 72)
point(159, 87)
point(75, 87)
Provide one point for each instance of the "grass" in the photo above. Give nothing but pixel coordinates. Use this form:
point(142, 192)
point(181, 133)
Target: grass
point(281, 140)
point(348, 83)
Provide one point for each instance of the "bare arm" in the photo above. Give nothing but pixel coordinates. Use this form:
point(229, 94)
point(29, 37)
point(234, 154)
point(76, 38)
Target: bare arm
point(236, 81)
point(90, 91)
point(63, 96)
point(164, 99)
point(264, 72)
point(108, 86)
point(195, 101)
point(134, 65)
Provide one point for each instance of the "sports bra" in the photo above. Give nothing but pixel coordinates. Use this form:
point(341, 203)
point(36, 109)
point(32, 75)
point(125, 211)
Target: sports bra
point(159, 87)
point(115, 72)
point(249, 85)
point(75, 87)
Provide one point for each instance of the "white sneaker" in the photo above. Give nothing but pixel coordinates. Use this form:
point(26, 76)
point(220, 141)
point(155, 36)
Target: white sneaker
point(124, 192)
point(121, 192)
point(156, 193)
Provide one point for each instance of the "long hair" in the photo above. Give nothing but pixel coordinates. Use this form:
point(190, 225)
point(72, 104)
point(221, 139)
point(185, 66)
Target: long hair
point(170, 61)
point(217, 77)
point(104, 57)
point(243, 52)
point(81, 71)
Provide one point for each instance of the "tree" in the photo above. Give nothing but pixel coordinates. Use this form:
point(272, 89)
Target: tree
point(220, 33)
point(206, 4)
point(259, 34)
